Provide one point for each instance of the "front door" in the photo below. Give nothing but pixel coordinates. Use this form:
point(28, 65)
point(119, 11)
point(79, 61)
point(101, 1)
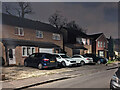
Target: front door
point(11, 56)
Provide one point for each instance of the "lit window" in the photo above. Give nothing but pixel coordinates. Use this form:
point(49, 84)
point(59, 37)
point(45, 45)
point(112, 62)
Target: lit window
point(19, 31)
point(39, 34)
point(56, 36)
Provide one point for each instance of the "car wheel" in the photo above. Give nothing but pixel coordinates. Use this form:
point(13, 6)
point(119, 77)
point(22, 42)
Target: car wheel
point(40, 66)
point(25, 64)
point(82, 63)
point(111, 87)
point(63, 64)
point(98, 62)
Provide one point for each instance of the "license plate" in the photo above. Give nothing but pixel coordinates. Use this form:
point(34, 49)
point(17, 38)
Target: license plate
point(52, 61)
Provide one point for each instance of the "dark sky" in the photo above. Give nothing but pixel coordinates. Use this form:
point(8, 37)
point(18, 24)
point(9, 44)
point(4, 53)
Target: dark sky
point(95, 17)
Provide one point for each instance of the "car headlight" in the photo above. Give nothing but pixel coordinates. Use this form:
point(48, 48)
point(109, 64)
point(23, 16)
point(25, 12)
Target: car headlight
point(115, 78)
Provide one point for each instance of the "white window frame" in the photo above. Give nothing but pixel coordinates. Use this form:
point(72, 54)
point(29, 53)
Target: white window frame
point(19, 28)
point(101, 44)
point(98, 43)
point(56, 36)
point(39, 32)
point(104, 44)
point(27, 51)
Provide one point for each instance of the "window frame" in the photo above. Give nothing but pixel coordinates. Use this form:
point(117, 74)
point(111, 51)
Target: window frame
point(39, 32)
point(28, 50)
point(104, 44)
point(19, 29)
point(101, 44)
point(98, 43)
point(56, 36)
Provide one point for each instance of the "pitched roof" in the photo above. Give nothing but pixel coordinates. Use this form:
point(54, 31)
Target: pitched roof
point(27, 23)
point(77, 33)
point(95, 36)
point(75, 47)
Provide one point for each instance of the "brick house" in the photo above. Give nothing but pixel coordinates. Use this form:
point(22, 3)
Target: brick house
point(99, 44)
point(76, 42)
point(22, 37)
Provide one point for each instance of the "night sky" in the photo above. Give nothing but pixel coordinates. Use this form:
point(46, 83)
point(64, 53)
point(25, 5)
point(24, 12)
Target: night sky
point(95, 17)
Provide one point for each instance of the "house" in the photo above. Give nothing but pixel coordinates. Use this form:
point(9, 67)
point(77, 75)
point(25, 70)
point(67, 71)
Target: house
point(117, 47)
point(99, 44)
point(22, 37)
point(76, 42)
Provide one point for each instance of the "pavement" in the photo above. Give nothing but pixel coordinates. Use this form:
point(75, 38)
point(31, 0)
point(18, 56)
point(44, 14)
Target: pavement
point(35, 81)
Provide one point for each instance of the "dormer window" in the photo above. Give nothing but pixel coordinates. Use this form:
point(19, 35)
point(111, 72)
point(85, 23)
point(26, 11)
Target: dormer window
point(19, 31)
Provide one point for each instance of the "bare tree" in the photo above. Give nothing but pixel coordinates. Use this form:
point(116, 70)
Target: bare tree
point(21, 9)
point(57, 20)
point(72, 25)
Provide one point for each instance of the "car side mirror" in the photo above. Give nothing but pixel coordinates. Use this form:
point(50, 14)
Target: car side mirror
point(59, 57)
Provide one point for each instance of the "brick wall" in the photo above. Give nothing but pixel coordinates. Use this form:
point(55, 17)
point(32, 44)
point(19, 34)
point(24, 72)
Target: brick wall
point(69, 51)
point(101, 39)
point(30, 34)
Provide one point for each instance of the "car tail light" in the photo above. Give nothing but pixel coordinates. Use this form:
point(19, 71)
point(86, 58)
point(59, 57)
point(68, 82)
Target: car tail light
point(45, 59)
point(55, 59)
point(87, 58)
point(45, 66)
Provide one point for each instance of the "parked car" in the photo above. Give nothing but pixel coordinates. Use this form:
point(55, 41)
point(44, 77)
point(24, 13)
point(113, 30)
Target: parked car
point(115, 81)
point(118, 59)
point(41, 60)
point(82, 59)
point(64, 60)
point(97, 59)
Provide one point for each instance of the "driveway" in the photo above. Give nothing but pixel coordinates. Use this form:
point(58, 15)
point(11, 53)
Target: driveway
point(15, 72)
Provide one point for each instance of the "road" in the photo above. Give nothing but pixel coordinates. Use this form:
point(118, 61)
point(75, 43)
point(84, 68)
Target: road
point(89, 79)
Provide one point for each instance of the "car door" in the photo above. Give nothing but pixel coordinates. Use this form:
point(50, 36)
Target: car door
point(59, 58)
point(31, 59)
point(77, 59)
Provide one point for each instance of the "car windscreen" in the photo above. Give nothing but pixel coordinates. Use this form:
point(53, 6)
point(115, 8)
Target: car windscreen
point(57, 56)
point(64, 56)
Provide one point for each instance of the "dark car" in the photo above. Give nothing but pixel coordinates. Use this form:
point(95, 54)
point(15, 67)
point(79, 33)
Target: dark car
point(41, 60)
point(97, 59)
point(115, 81)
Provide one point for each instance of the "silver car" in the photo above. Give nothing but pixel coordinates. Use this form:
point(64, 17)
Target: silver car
point(115, 81)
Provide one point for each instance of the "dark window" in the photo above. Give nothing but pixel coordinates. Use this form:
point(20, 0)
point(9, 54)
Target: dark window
point(76, 57)
point(16, 31)
point(10, 53)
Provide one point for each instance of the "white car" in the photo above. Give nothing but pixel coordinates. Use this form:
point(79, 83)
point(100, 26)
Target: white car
point(65, 60)
point(82, 59)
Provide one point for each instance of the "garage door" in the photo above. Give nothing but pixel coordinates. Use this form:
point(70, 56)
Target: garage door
point(45, 50)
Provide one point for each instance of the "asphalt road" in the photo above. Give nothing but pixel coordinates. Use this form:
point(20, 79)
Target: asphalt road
point(98, 79)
